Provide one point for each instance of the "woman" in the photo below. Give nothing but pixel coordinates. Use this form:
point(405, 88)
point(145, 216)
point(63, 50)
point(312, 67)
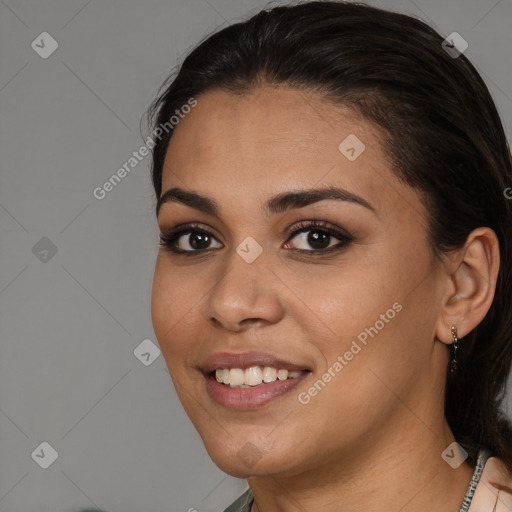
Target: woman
point(332, 293)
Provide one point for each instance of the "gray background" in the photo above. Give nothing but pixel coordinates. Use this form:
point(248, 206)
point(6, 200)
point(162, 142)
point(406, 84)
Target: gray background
point(70, 321)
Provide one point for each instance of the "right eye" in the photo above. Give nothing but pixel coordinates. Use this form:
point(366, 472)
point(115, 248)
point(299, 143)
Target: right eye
point(193, 239)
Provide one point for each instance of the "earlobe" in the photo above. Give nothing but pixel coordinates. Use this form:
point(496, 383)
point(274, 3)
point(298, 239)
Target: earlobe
point(472, 277)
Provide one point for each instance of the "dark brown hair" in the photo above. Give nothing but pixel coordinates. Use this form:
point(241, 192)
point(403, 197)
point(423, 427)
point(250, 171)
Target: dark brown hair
point(443, 134)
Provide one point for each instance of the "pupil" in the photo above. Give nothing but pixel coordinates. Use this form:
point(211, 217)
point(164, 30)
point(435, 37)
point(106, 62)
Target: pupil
point(317, 239)
point(199, 240)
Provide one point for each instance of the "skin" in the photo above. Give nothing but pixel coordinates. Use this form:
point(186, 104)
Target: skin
point(372, 439)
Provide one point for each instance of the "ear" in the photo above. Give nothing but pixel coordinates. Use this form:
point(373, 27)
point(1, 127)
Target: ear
point(471, 276)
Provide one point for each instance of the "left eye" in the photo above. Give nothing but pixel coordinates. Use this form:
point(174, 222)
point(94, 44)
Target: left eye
point(319, 238)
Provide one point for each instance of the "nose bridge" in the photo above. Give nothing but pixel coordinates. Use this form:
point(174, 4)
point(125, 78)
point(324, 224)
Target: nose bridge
point(244, 289)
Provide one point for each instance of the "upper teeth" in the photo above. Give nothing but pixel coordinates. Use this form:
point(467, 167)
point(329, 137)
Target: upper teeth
point(252, 376)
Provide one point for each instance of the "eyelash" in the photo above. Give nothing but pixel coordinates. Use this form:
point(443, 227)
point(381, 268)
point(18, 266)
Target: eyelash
point(169, 239)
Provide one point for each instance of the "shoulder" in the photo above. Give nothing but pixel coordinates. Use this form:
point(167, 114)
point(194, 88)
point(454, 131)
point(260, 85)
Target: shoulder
point(494, 490)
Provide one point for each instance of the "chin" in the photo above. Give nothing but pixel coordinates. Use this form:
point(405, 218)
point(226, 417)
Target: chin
point(243, 458)
point(241, 469)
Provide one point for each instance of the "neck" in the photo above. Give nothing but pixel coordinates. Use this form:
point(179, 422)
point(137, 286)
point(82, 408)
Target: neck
point(396, 468)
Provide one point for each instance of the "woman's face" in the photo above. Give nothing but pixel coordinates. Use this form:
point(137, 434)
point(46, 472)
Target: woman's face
point(351, 304)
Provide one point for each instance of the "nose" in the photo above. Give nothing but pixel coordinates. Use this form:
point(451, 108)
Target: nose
point(244, 295)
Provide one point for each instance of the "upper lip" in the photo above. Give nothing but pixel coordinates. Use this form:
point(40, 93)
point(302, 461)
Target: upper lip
point(245, 360)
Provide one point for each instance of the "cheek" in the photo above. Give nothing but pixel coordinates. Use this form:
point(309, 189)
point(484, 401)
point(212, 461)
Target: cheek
point(172, 305)
point(337, 302)
point(161, 301)
point(365, 314)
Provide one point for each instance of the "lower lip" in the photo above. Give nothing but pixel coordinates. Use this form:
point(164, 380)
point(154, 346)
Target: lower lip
point(250, 398)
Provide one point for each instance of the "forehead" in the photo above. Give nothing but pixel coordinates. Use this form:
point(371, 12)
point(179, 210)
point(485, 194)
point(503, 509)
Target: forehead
point(277, 138)
point(269, 121)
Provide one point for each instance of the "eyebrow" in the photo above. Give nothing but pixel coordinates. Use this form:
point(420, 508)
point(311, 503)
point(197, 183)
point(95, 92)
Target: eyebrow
point(276, 204)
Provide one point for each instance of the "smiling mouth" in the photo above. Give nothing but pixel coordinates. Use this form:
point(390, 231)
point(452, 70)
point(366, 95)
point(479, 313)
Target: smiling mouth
point(230, 389)
point(248, 380)
point(253, 376)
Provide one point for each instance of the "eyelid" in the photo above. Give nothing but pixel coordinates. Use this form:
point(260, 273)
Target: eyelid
point(312, 224)
point(185, 227)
